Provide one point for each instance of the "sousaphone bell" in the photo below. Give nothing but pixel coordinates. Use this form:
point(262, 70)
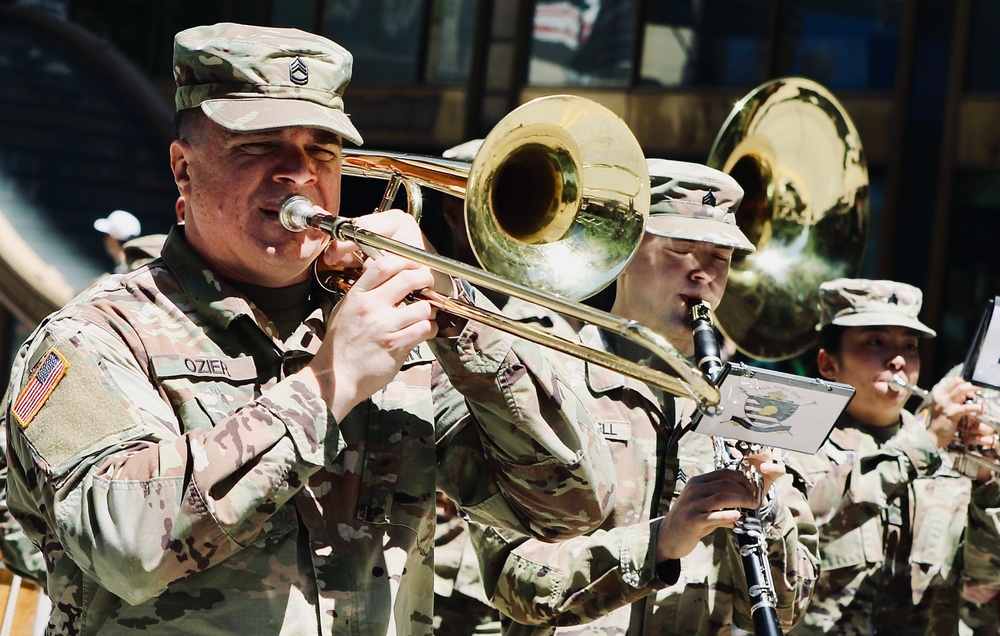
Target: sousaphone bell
point(791, 146)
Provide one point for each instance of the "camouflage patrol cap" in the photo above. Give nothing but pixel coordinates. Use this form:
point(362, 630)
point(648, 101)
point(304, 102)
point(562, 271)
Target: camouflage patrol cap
point(858, 302)
point(248, 78)
point(694, 202)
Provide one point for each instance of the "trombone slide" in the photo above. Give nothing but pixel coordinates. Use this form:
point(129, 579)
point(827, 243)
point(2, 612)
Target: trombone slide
point(298, 213)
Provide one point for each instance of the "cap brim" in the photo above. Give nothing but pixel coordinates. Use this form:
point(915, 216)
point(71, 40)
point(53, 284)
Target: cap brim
point(699, 229)
point(883, 319)
point(248, 115)
point(102, 225)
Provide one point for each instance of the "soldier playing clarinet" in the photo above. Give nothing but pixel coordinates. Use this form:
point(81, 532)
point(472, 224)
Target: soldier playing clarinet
point(666, 560)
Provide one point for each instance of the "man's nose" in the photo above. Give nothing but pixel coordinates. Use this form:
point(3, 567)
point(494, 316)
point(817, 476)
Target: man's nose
point(704, 268)
point(295, 166)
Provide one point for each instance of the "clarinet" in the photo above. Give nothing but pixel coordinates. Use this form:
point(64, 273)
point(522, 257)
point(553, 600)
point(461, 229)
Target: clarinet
point(749, 529)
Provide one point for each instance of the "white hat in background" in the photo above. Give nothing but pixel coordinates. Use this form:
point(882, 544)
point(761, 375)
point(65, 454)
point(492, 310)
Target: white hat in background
point(465, 151)
point(119, 224)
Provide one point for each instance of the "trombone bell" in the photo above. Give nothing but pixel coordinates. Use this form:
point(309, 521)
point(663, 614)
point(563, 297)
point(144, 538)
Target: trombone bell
point(556, 202)
point(558, 197)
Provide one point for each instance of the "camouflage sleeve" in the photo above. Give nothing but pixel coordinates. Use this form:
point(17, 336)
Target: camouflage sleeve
point(20, 555)
point(578, 580)
point(105, 464)
point(979, 611)
point(850, 486)
point(530, 457)
point(569, 582)
point(981, 551)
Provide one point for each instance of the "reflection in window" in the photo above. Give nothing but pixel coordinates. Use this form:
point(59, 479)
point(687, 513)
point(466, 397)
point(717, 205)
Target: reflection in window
point(846, 44)
point(453, 27)
point(582, 42)
point(705, 42)
point(383, 35)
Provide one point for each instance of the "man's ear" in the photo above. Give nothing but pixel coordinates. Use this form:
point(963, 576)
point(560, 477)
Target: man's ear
point(179, 165)
point(827, 365)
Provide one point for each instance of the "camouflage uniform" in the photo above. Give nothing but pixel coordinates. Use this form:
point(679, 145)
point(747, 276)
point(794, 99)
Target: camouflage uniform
point(898, 527)
point(20, 555)
point(609, 577)
point(857, 483)
point(460, 603)
point(178, 479)
point(981, 549)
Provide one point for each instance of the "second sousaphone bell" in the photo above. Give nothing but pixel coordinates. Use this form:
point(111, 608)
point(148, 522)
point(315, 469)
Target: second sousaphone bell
point(791, 146)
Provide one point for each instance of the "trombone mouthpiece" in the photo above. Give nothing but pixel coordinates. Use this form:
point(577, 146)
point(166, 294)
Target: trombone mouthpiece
point(296, 211)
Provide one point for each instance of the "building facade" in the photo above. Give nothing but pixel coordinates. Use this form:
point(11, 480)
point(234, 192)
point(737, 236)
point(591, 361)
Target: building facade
point(918, 78)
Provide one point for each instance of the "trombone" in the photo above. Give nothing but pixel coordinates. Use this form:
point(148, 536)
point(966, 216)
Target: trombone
point(557, 195)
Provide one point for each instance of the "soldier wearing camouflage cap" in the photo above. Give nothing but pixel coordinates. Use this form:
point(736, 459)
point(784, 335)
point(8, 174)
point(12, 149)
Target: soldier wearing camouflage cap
point(213, 443)
point(893, 516)
point(666, 560)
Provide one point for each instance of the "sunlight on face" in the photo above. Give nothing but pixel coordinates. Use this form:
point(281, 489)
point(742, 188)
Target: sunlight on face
point(233, 185)
point(664, 276)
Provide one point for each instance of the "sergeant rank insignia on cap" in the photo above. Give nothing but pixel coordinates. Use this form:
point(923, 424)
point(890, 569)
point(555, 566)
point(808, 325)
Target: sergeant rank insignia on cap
point(38, 389)
point(298, 72)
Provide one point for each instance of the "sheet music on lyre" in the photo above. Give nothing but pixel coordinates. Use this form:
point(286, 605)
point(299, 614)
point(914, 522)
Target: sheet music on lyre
point(776, 409)
point(982, 364)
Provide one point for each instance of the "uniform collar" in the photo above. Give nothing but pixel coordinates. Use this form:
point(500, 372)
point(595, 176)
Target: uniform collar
point(211, 296)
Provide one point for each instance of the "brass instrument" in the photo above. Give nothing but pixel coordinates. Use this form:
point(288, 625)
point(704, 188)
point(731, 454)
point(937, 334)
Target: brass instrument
point(967, 459)
point(791, 146)
point(923, 394)
point(558, 196)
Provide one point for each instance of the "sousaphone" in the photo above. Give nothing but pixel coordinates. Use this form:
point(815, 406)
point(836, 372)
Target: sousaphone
point(791, 146)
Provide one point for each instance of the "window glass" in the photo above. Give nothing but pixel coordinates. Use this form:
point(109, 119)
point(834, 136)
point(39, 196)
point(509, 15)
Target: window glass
point(75, 146)
point(846, 44)
point(984, 48)
point(298, 14)
point(452, 32)
point(383, 35)
point(705, 42)
point(972, 277)
point(582, 42)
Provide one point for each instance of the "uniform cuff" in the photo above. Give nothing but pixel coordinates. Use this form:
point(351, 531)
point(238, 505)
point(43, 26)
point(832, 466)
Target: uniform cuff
point(304, 415)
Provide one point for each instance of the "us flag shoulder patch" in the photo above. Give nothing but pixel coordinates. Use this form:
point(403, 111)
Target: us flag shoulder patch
point(43, 381)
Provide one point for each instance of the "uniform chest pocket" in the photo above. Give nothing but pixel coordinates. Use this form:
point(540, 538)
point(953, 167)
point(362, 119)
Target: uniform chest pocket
point(940, 519)
point(204, 390)
point(854, 548)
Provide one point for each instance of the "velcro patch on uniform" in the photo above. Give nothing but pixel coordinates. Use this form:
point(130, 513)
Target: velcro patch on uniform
point(83, 412)
point(39, 387)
